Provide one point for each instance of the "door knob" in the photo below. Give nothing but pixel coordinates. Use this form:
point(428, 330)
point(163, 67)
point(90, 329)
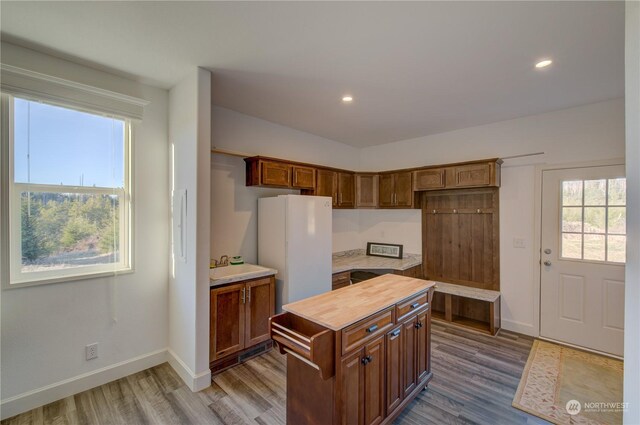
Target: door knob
point(547, 251)
point(547, 263)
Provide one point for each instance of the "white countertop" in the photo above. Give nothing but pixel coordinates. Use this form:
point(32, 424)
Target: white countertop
point(357, 259)
point(229, 274)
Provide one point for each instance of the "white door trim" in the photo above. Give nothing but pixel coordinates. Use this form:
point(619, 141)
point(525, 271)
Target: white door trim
point(537, 240)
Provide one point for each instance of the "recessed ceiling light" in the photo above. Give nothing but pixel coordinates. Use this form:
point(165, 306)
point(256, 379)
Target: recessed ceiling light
point(544, 63)
point(347, 99)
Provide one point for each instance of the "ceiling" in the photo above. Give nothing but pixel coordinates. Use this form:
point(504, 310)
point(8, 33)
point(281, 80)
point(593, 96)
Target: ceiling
point(413, 68)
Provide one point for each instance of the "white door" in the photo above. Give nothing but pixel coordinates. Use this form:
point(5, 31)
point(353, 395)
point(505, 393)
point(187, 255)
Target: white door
point(582, 259)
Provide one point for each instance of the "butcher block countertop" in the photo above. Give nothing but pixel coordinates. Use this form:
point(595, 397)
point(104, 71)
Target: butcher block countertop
point(343, 307)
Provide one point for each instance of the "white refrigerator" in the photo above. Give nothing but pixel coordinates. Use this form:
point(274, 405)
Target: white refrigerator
point(294, 237)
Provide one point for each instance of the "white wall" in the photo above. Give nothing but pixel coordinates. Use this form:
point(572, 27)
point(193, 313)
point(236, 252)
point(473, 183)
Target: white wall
point(234, 226)
point(45, 328)
point(632, 286)
point(189, 130)
point(586, 133)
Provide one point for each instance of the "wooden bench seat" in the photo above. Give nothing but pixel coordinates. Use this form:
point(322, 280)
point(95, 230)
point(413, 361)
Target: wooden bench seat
point(466, 315)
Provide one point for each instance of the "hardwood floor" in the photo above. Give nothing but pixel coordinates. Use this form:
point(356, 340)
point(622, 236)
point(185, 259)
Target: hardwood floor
point(475, 378)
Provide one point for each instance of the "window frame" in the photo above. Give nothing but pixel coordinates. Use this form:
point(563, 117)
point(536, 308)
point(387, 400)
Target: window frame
point(582, 233)
point(10, 205)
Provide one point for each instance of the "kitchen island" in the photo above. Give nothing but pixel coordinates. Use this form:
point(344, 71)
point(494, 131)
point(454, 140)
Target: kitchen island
point(356, 355)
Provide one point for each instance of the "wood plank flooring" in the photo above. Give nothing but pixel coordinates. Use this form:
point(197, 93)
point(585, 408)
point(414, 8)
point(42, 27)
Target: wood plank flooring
point(475, 378)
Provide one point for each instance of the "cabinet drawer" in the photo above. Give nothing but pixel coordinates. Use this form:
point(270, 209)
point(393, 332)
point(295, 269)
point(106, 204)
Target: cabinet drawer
point(366, 330)
point(411, 306)
point(340, 280)
point(305, 340)
point(429, 179)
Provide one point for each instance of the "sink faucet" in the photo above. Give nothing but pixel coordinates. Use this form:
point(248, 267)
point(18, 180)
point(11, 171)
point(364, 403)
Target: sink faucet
point(224, 261)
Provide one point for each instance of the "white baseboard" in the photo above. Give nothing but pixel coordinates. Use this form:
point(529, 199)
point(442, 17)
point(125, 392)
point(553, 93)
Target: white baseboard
point(519, 327)
point(195, 382)
point(31, 399)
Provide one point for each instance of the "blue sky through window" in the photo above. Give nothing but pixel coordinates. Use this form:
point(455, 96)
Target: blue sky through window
point(66, 146)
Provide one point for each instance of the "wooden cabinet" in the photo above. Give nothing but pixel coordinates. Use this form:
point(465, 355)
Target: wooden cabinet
point(416, 362)
point(429, 179)
point(366, 190)
point(395, 390)
point(346, 195)
point(339, 186)
point(227, 314)
point(271, 172)
point(327, 184)
point(303, 177)
point(395, 190)
point(467, 175)
point(378, 364)
point(472, 175)
point(340, 280)
point(363, 384)
point(239, 316)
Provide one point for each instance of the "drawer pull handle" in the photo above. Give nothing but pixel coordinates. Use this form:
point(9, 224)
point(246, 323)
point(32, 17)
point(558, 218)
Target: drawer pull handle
point(415, 305)
point(396, 332)
point(418, 325)
point(366, 360)
point(372, 328)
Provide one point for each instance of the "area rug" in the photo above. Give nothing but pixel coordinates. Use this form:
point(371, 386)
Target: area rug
point(568, 386)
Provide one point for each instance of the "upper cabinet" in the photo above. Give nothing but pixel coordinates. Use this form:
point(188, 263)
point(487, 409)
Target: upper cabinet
point(395, 190)
point(346, 190)
point(390, 189)
point(303, 177)
point(367, 190)
point(459, 176)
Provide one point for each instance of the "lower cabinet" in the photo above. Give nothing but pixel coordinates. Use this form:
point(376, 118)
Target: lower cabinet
point(239, 316)
point(376, 377)
point(395, 389)
point(363, 384)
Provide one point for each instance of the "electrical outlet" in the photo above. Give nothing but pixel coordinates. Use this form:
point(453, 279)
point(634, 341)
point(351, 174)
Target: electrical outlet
point(91, 351)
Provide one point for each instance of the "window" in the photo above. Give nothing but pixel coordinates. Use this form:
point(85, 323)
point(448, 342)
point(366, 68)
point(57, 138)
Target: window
point(69, 192)
point(593, 220)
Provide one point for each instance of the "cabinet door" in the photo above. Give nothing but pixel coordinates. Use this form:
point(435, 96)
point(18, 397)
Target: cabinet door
point(395, 392)
point(429, 179)
point(366, 190)
point(260, 305)
point(386, 191)
point(327, 184)
point(227, 314)
point(303, 177)
point(403, 190)
point(352, 372)
point(374, 382)
point(275, 174)
point(346, 190)
point(423, 351)
point(472, 175)
point(409, 356)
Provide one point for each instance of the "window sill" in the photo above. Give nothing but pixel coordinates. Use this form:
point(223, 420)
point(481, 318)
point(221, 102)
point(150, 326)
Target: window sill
point(63, 279)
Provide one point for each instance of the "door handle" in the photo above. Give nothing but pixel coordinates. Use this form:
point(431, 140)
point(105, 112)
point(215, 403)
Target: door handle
point(366, 360)
point(547, 263)
point(372, 328)
point(418, 325)
point(243, 295)
point(415, 305)
point(396, 332)
point(249, 296)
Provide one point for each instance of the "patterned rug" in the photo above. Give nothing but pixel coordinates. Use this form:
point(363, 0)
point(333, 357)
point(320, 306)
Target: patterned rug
point(567, 386)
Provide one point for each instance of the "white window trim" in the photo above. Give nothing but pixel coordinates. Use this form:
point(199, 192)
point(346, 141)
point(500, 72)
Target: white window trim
point(10, 249)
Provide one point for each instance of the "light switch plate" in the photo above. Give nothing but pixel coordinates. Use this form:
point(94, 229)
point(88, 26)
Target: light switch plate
point(518, 243)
